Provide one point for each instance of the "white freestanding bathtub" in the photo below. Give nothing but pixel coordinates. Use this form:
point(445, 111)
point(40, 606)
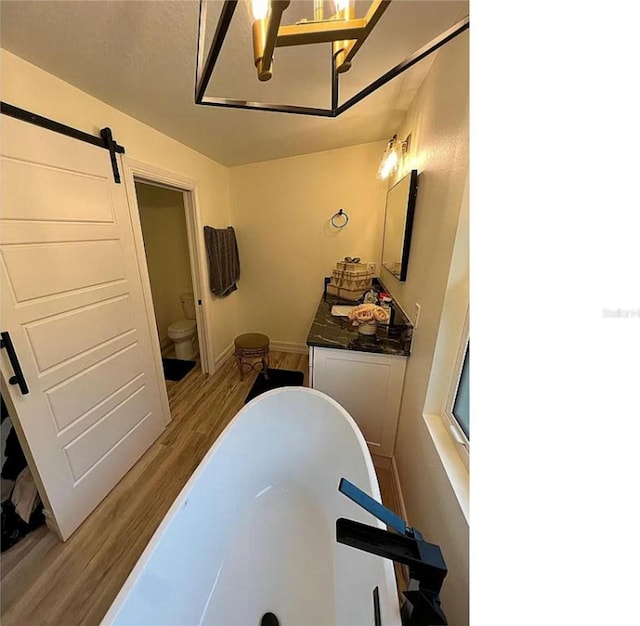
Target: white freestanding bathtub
point(253, 531)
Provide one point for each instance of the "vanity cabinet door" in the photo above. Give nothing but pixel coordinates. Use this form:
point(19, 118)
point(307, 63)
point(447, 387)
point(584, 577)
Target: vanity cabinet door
point(368, 386)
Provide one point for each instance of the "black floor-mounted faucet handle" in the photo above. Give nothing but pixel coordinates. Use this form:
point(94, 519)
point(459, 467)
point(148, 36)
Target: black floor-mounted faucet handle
point(406, 545)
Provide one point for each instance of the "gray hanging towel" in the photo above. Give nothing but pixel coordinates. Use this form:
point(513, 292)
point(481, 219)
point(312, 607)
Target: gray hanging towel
point(224, 262)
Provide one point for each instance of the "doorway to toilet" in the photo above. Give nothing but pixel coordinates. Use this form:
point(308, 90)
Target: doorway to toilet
point(165, 233)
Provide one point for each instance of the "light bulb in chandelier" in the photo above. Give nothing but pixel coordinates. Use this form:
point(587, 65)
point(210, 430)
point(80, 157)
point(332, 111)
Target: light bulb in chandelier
point(259, 9)
point(340, 5)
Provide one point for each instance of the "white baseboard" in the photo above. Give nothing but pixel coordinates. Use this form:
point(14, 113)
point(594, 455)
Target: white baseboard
point(383, 462)
point(396, 482)
point(280, 346)
point(289, 346)
point(224, 355)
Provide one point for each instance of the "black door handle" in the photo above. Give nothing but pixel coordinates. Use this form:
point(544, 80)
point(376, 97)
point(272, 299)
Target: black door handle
point(18, 376)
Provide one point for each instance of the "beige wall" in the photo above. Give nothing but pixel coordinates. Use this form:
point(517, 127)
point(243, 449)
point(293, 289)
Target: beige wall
point(164, 229)
point(29, 87)
point(281, 211)
point(439, 126)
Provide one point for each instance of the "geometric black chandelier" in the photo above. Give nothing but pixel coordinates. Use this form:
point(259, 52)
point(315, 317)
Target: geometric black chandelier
point(340, 28)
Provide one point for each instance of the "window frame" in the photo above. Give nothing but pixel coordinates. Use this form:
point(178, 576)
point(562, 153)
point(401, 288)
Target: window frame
point(450, 419)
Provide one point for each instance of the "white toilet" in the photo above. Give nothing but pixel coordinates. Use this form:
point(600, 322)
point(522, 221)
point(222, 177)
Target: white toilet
point(183, 332)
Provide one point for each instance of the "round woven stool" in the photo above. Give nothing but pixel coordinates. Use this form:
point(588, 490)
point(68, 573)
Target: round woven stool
point(251, 346)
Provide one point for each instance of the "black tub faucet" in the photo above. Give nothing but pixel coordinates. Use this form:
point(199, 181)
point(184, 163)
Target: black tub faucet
point(427, 568)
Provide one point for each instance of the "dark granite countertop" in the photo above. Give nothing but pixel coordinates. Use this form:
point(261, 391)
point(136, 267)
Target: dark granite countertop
point(328, 331)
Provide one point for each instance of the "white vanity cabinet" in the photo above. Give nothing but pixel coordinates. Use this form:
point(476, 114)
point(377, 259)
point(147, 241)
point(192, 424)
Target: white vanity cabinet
point(367, 385)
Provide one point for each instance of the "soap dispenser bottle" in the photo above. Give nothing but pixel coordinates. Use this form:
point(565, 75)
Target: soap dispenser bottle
point(370, 297)
point(386, 302)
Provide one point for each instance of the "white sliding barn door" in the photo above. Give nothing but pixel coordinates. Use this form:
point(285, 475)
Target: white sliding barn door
point(72, 304)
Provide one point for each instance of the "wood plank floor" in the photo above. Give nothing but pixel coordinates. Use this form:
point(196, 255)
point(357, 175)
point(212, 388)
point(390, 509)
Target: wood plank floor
point(45, 581)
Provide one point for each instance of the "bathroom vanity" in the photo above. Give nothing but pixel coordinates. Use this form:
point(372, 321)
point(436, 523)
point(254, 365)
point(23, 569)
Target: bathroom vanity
point(365, 374)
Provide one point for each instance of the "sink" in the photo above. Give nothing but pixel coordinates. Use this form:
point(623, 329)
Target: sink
point(340, 310)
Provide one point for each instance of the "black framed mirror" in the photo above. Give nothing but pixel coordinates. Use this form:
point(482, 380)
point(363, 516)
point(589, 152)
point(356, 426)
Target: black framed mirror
point(398, 223)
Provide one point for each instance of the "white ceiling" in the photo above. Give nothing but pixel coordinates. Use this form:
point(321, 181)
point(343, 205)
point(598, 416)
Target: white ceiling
point(139, 56)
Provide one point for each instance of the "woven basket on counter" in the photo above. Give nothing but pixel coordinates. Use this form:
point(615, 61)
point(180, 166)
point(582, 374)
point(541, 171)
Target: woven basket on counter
point(350, 280)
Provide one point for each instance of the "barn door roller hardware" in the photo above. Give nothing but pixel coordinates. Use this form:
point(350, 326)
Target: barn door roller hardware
point(111, 146)
point(105, 140)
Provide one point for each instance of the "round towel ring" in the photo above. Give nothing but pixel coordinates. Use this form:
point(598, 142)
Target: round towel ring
point(339, 214)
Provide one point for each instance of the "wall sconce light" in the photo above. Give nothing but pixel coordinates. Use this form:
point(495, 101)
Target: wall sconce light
point(392, 156)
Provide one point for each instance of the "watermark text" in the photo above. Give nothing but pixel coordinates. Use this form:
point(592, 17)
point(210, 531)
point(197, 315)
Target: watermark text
point(621, 313)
